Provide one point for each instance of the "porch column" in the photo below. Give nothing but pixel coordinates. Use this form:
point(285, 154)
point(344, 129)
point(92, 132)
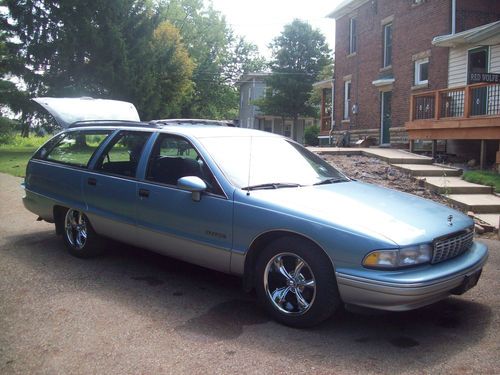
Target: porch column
point(434, 148)
point(482, 157)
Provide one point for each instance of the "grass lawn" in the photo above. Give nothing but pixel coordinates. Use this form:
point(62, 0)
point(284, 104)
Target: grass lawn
point(13, 160)
point(484, 178)
point(15, 154)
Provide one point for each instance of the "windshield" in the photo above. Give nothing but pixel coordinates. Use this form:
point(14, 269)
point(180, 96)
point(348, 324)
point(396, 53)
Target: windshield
point(262, 161)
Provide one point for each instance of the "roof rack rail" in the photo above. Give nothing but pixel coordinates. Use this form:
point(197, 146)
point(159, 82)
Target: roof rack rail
point(182, 121)
point(129, 123)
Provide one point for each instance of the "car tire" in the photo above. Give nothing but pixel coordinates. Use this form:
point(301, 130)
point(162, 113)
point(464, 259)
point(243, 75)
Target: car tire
point(295, 281)
point(79, 237)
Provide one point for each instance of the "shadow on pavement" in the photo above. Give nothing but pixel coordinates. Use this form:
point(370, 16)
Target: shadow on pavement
point(208, 306)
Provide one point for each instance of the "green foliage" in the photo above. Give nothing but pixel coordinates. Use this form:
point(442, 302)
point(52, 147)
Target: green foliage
point(29, 143)
point(300, 53)
point(484, 178)
point(171, 58)
point(311, 135)
point(7, 127)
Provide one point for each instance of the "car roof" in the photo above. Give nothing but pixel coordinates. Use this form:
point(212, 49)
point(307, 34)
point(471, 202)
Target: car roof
point(191, 129)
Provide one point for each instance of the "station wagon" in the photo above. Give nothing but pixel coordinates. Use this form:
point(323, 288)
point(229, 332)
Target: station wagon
point(307, 238)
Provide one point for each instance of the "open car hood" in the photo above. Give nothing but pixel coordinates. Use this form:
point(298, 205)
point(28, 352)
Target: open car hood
point(67, 111)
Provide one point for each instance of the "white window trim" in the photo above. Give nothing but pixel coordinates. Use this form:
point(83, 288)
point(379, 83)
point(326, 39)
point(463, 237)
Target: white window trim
point(249, 95)
point(347, 101)
point(418, 63)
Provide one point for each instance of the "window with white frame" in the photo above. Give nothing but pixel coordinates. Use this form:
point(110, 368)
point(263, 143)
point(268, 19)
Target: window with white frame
point(347, 100)
point(352, 36)
point(422, 71)
point(387, 45)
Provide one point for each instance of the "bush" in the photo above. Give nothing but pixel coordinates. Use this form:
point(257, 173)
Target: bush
point(311, 135)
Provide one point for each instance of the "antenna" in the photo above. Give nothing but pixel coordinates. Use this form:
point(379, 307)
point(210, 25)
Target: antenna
point(249, 166)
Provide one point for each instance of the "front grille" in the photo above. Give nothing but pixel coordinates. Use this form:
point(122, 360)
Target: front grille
point(450, 247)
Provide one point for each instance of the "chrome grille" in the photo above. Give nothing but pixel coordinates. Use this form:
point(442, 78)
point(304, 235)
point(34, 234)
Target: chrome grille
point(453, 246)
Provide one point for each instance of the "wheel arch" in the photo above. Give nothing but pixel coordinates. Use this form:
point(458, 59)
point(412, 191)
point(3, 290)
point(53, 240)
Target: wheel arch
point(263, 240)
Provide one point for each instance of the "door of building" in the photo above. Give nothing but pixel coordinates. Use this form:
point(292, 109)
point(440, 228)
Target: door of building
point(478, 63)
point(385, 116)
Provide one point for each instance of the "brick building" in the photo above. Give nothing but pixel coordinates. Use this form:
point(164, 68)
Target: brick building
point(384, 54)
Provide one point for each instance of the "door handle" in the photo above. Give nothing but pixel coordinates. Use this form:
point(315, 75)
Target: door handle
point(92, 181)
point(144, 193)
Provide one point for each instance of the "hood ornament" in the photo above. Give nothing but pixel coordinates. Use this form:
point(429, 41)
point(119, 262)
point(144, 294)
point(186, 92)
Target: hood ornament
point(450, 220)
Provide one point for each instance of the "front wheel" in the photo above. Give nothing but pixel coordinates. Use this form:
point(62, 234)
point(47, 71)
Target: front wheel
point(296, 282)
point(79, 236)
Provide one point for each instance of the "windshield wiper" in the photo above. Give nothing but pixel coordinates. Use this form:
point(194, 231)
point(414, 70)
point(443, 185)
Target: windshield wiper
point(272, 185)
point(333, 180)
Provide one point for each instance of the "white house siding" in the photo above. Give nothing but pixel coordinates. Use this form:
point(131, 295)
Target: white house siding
point(495, 59)
point(457, 67)
point(457, 64)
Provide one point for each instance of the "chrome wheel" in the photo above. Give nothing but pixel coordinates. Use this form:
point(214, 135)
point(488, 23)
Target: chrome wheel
point(290, 284)
point(75, 226)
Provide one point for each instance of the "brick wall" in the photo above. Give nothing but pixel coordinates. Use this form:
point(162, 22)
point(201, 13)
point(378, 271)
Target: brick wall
point(414, 27)
point(475, 13)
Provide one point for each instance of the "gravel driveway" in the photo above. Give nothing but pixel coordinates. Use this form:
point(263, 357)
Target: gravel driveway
point(134, 312)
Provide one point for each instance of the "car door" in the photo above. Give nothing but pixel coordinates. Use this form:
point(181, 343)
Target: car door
point(110, 187)
point(169, 220)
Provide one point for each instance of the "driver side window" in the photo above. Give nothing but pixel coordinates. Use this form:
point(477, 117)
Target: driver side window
point(174, 157)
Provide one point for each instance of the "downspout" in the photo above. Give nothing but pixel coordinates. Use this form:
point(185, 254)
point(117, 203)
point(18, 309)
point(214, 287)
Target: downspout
point(251, 98)
point(453, 16)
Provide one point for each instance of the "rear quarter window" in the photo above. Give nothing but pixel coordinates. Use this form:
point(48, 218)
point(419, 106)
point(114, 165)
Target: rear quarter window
point(74, 148)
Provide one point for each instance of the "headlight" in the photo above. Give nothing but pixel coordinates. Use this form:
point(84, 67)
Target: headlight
point(404, 257)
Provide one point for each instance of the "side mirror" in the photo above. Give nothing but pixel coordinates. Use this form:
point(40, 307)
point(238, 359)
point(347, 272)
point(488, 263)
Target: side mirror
point(193, 184)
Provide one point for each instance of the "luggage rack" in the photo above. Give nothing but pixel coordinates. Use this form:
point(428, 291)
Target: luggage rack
point(192, 122)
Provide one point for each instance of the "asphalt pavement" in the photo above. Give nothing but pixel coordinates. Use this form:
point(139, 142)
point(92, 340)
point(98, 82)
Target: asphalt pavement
point(131, 311)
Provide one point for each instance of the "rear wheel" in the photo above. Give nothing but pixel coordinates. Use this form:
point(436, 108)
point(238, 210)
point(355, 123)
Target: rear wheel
point(79, 236)
point(296, 282)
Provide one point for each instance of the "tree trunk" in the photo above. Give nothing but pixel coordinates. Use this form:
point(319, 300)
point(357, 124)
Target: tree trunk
point(25, 125)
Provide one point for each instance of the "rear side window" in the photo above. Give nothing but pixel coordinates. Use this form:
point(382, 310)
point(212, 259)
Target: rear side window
point(76, 148)
point(122, 155)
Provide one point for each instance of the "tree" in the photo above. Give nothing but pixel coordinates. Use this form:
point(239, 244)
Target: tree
point(220, 58)
point(166, 76)
point(299, 54)
point(171, 58)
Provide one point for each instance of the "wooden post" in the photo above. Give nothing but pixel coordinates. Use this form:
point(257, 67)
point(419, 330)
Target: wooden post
point(434, 148)
point(437, 105)
point(482, 157)
point(412, 145)
point(467, 102)
point(412, 106)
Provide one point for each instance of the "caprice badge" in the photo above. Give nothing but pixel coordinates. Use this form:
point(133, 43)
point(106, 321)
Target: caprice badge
point(450, 220)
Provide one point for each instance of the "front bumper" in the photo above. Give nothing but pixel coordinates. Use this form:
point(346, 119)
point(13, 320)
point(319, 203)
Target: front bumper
point(412, 288)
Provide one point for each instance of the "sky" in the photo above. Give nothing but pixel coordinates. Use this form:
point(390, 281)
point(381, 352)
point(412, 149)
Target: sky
point(260, 21)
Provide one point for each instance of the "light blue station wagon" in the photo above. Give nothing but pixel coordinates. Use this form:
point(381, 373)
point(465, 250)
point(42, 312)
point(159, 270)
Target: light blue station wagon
point(250, 203)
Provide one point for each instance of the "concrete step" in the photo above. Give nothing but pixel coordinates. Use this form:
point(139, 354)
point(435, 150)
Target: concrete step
point(394, 156)
point(477, 203)
point(454, 185)
point(492, 219)
point(388, 155)
point(428, 170)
